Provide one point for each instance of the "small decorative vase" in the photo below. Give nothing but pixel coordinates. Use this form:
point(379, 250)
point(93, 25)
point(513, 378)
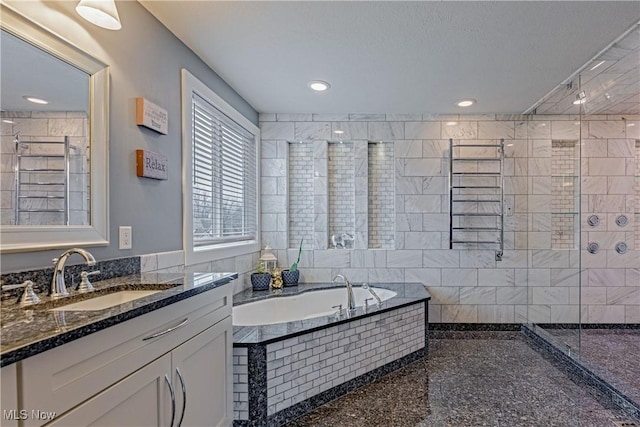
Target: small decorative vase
point(290, 278)
point(276, 278)
point(260, 281)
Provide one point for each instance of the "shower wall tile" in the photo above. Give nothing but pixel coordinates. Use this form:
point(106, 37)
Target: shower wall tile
point(605, 314)
point(606, 129)
point(305, 131)
point(428, 276)
point(385, 131)
point(277, 130)
point(478, 295)
point(404, 259)
point(565, 314)
point(459, 313)
point(460, 130)
point(496, 130)
point(565, 130)
point(496, 314)
point(422, 130)
point(539, 281)
point(508, 296)
point(351, 131)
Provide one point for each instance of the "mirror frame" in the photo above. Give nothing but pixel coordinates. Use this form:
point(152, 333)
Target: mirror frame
point(38, 238)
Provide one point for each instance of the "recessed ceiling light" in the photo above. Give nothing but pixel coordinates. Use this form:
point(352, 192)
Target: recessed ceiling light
point(338, 132)
point(466, 102)
point(597, 65)
point(451, 123)
point(319, 85)
point(35, 100)
point(579, 101)
point(8, 121)
point(631, 124)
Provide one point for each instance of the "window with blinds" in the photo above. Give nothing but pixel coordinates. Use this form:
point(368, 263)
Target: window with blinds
point(223, 177)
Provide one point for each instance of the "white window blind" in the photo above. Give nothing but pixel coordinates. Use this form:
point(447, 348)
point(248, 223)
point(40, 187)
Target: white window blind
point(224, 177)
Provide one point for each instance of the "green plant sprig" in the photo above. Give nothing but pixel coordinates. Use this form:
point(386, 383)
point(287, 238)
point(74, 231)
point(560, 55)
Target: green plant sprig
point(294, 266)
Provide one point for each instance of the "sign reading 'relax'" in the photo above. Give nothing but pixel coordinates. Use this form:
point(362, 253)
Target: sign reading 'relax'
point(152, 116)
point(151, 165)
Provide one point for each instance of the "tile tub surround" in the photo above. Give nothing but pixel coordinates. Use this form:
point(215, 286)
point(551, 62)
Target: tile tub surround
point(468, 380)
point(535, 281)
point(575, 368)
point(28, 332)
point(287, 370)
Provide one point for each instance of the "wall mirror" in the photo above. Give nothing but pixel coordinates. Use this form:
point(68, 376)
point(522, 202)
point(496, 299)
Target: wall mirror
point(53, 169)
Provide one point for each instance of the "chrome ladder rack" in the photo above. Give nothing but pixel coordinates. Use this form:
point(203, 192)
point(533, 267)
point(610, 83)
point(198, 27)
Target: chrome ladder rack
point(476, 196)
point(42, 176)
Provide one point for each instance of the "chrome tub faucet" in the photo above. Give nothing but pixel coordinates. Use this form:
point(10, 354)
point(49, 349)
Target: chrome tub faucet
point(351, 302)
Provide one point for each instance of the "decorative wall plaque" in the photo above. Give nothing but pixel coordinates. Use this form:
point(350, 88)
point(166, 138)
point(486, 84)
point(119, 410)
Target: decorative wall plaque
point(151, 165)
point(152, 116)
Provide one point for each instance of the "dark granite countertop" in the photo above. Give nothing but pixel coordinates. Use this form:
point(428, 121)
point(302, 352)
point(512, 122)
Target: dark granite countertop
point(27, 332)
point(407, 294)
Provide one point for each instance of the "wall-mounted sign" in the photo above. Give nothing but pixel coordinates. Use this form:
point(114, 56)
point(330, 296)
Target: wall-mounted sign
point(151, 165)
point(151, 116)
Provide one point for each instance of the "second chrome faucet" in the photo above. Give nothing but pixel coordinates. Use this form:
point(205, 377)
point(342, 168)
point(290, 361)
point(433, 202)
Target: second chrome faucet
point(351, 302)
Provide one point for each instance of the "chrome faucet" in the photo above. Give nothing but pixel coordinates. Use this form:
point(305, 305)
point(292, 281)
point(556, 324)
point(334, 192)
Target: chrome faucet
point(372, 292)
point(58, 287)
point(350, 299)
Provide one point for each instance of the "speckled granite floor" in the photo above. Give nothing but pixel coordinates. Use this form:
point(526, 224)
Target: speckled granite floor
point(610, 353)
point(469, 380)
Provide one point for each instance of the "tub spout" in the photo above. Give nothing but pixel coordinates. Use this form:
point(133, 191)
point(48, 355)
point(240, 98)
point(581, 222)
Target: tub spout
point(350, 299)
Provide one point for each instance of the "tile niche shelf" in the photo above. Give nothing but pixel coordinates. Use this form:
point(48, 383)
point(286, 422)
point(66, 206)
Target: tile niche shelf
point(340, 192)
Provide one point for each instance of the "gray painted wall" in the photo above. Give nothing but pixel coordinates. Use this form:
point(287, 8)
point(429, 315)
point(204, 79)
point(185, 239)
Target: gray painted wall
point(145, 59)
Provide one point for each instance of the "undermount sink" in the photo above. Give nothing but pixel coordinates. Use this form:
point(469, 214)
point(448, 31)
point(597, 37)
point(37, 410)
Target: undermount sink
point(105, 301)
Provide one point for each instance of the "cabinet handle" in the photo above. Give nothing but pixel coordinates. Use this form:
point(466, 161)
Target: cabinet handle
point(173, 400)
point(184, 396)
point(166, 331)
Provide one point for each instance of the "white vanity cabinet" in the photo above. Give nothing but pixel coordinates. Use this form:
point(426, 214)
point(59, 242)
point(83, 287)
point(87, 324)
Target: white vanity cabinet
point(142, 371)
point(9, 396)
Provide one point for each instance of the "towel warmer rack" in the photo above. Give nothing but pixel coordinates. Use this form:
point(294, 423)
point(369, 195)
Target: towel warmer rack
point(40, 177)
point(476, 196)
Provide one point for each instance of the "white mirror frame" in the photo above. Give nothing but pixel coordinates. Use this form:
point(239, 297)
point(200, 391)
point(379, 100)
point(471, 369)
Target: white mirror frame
point(38, 238)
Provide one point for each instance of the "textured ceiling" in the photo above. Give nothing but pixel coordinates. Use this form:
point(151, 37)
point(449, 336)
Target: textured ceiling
point(29, 71)
point(395, 57)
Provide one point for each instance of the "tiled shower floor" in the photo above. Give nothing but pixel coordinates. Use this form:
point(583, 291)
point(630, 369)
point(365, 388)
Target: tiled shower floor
point(613, 354)
point(469, 379)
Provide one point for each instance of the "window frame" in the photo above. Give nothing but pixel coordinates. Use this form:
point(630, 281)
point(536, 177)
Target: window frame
point(201, 254)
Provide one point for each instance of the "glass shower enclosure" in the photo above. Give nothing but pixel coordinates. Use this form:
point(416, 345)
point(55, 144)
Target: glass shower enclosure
point(584, 286)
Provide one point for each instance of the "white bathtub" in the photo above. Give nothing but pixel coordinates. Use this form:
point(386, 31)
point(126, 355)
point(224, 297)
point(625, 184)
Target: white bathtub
point(307, 305)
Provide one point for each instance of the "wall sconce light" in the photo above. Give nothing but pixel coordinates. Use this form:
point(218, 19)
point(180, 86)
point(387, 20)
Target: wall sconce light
point(102, 13)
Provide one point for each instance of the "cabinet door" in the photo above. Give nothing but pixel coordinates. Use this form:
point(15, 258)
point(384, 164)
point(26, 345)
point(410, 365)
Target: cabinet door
point(9, 396)
point(203, 365)
point(141, 399)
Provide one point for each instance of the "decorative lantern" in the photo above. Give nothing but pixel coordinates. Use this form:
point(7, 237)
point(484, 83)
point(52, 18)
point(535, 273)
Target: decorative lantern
point(268, 259)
